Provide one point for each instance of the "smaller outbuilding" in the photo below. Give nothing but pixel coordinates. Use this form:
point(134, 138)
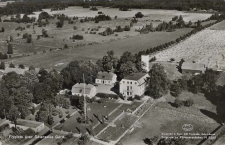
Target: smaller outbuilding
point(87, 90)
point(25, 124)
point(193, 68)
point(106, 78)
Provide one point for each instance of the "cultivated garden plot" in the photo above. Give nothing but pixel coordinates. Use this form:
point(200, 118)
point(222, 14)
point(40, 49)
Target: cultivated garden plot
point(95, 112)
point(205, 47)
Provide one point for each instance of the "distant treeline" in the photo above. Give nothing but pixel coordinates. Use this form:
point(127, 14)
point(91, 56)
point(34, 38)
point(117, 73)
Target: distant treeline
point(29, 7)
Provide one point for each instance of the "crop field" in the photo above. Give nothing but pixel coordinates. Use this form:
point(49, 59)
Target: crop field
point(205, 47)
point(94, 52)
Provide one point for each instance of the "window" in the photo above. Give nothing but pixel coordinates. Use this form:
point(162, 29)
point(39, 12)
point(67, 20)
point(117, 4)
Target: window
point(130, 82)
point(135, 83)
point(127, 93)
point(131, 87)
point(127, 82)
point(127, 87)
point(123, 81)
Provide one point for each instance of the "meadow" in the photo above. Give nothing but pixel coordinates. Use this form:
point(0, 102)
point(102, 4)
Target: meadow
point(94, 45)
point(94, 52)
point(112, 12)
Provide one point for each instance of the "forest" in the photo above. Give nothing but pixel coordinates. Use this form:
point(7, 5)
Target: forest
point(28, 7)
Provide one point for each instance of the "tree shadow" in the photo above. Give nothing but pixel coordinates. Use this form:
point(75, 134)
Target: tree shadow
point(172, 104)
point(115, 88)
point(97, 118)
point(147, 141)
point(211, 97)
point(212, 115)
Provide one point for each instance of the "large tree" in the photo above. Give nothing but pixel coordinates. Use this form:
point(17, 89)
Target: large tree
point(127, 64)
point(108, 62)
point(13, 114)
point(15, 92)
point(75, 70)
point(159, 83)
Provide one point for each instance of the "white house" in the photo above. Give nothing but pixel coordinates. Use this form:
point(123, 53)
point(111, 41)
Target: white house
point(145, 60)
point(25, 124)
point(106, 78)
point(134, 84)
point(89, 91)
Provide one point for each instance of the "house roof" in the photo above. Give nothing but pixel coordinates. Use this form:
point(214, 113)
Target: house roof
point(28, 123)
point(139, 77)
point(79, 88)
point(105, 75)
point(193, 66)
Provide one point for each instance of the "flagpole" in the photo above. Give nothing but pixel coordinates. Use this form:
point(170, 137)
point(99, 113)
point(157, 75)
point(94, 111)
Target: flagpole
point(85, 115)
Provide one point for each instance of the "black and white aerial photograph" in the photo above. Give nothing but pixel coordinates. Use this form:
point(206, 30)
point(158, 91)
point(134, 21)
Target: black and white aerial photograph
point(112, 72)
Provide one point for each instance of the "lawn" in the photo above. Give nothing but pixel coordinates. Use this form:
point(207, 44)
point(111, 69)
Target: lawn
point(156, 122)
point(121, 125)
point(132, 44)
point(130, 107)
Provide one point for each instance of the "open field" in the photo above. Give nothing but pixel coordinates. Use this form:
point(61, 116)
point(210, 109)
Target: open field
point(205, 47)
point(94, 52)
point(219, 26)
point(112, 12)
point(161, 122)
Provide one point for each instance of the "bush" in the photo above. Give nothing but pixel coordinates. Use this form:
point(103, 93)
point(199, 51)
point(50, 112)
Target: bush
point(21, 66)
point(136, 97)
point(175, 89)
point(78, 37)
point(93, 9)
point(62, 121)
point(25, 36)
point(3, 56)
point(50, 120)
point(178, 103)
point(2, 65)
point(118, 29)
point(10, 49)
point(127, 28)
point(29, 38)
point(139, 15)
point(11, 65)
point(189, 102)
point(172, 59)
point(74, 28)
point(104, 95)
point(31, 68)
